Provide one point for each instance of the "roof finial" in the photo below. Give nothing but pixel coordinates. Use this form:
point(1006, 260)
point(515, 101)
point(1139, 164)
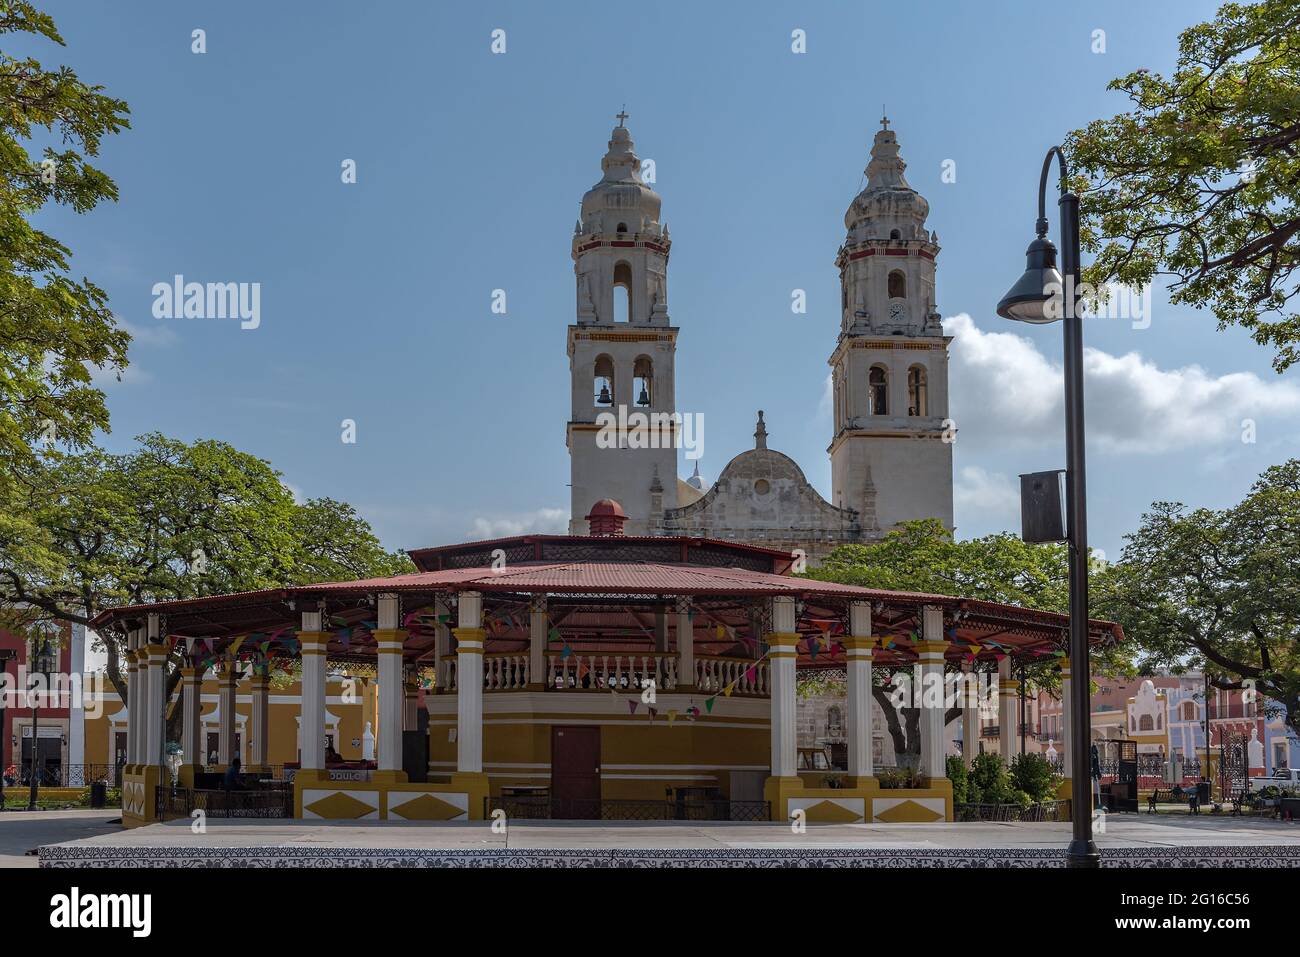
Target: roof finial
point(884, 118)
point(622, 115)
point(760, 432)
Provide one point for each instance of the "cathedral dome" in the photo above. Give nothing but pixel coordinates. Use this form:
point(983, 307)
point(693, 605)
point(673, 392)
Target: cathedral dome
point(887, 208)
point(620, 198)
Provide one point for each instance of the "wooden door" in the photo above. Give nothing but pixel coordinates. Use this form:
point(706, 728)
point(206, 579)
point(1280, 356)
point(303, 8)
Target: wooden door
point(575, 772)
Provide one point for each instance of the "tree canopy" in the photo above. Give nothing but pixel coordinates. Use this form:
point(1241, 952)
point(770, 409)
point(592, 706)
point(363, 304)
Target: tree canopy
point(1200, 180)
point(1220, 588)
point(174, 520)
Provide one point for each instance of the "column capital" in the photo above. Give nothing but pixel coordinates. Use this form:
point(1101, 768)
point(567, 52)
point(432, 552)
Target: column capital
point(154, 650)
point(469, 641)
point(930, 648)
point(191, 674)
point(313, 642)
point(863, 645)
point(783, 644)
point(259, 681)
point(389, 641)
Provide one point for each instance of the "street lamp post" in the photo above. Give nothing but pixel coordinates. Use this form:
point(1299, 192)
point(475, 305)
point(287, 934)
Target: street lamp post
point(1031, 300)
point(42, 664)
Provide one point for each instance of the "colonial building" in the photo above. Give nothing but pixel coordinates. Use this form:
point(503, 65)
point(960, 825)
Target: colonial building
point(890, 448)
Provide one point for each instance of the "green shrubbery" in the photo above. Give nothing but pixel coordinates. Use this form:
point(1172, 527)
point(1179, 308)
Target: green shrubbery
point(1029, 780)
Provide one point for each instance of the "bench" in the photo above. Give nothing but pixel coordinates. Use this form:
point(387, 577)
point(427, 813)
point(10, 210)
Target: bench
point(1173, 795)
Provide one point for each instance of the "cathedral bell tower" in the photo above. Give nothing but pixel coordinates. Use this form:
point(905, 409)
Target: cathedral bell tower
point(889, 370)
point(621, 435)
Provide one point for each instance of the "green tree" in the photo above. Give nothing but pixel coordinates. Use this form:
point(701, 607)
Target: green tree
point(922, 556)
point(54, 329)
point(1034, 775)
point(174, 520)
point(1200, 179)
point(1221, 589)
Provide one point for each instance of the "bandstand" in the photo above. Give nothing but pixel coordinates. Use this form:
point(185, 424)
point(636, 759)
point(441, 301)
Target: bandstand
point(591, 677)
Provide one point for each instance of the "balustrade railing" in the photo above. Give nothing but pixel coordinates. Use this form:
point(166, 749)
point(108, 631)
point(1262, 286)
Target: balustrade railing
point(579, 671)
point(745, 677)
point(604, 672)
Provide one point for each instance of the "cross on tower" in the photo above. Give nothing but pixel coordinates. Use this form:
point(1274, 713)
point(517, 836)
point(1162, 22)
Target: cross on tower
point(621, 116)
point(884, 120)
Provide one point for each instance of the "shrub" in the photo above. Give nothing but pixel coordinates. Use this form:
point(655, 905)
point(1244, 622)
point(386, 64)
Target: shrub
point(989, 782)
point(956, 769)
point(1034, 775)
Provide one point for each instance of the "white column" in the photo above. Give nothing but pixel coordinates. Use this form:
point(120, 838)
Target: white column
point(537, 637)
point(135, 697)
point(1067, 719)
point(1007, 693)
point(784, 642)
point(469, 683)
point(312, 723)
point(259, 739)
point(191, 704)
point(441, 645)
point(392, 693)
point(970, 716)
point(931, 650)
point(226, 712)
point(156, 655)
point(685, 645)
point(859, 648)
point(76, 713)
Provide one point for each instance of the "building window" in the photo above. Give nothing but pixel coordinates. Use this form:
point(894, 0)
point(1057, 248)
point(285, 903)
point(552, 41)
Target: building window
point(622, 292)
point(622, 227)
point(917, 400)
point(643, 381)
point(895, 234)
point(1145, 723)
point(878, 391)
point(603, 384)
point(1189, 711)
point(897, 285)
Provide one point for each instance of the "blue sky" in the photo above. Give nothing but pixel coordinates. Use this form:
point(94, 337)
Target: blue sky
point(376, 296)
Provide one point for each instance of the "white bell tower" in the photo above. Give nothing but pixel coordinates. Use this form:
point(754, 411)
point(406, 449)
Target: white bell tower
point(621, 349)
point(889, 370)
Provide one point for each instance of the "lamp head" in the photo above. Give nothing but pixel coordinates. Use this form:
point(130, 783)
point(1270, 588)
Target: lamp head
point(1027, 300)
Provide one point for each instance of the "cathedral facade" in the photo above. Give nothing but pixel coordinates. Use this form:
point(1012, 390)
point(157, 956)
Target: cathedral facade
point(891, 441)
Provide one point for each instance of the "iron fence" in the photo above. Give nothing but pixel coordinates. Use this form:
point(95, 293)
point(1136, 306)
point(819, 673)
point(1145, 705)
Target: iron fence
point(65, 776)
point(1046, 811)
point(259, 802)
point(542, 807)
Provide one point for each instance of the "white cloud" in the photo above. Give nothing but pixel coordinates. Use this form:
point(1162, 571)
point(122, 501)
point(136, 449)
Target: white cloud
point(1132, 404)
point(542, 521)
point(992, 493)
point(154, 334)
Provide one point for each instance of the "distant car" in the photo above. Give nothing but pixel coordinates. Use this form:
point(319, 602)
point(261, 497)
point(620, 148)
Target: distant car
point(1281, 778)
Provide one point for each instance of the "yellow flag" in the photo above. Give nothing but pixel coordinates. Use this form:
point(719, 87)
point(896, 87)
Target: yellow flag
point(728, 689)
point(672, 716)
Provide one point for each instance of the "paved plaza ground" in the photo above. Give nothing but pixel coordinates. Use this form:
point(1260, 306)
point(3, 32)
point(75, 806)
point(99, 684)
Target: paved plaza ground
point(1129, 840)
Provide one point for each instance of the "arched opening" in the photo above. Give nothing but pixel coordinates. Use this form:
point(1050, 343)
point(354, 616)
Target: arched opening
point(622, 292)
point(897, 285)
point(917, 400)
point(643, 389)
point(895, 234)
point(1145, 723)
point(878, 391)
point(622, 228)
point(603, 381)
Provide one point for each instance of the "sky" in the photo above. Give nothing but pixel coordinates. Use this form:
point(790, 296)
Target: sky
point(376, 296)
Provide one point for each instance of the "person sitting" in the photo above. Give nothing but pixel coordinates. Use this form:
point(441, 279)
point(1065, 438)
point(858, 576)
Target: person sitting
point(233, 780)
point(332, 757)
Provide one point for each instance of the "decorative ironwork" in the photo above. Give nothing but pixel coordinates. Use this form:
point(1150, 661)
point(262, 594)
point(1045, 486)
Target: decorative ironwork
point(543, 807)
point(66, 776)
point(264, 801)
point(1046, 811)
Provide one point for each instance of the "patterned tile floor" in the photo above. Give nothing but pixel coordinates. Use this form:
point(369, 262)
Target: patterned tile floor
point(1129, 840)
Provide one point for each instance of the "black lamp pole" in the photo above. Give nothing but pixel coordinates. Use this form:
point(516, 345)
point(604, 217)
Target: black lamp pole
point(1028, 301)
